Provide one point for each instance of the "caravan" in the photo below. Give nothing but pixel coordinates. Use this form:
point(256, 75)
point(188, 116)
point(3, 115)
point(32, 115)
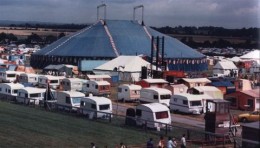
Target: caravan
point(9, 90)
point(30, 95)
point(155, 95)
point(28, 79)
point(54, 81)
point(97, 88)
point(96, 107)
point(153, 115)
point(72, 84)
point(187, 103)
point(9, 76)
point(128, 92)
point(69, 100)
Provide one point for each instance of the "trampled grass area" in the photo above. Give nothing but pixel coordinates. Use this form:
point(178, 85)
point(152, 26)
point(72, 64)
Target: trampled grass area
point(22, 126)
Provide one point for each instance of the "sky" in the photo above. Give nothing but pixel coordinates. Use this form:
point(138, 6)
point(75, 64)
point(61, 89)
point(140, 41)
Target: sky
point(158, 13)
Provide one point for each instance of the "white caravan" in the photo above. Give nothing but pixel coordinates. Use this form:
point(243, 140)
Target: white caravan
point(96, 107)
point(9, 76)
point(69, 100)
point(10, 89)
point(30, 95)
point(187, 103)
point(97, 88)
point(28, 79)
point(54, 81)
point(155, 95)
point(72, 84)
point(128, 92)
point(153, 115)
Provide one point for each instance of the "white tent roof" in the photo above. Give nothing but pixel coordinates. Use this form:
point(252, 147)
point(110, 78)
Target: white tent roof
point(235, 59)
point(225, 65)
point(130, 64)
point(251, 55)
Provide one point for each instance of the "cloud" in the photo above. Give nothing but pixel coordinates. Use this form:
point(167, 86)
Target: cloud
point(227, 13)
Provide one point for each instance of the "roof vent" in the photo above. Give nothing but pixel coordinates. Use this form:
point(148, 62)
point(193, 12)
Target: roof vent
point(137, 7)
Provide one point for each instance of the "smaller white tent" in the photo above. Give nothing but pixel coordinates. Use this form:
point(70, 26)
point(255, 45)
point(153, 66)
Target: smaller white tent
point(127, 67)
point(225, 67)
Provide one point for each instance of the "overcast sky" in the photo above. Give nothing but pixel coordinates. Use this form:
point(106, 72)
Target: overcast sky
point(225, 13)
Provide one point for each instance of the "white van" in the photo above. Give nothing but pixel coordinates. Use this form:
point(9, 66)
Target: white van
point(9, 76)
point(187, 103)
point(28, 79)
point(54, 81)
point(69, 100)
point(10, 89)
point(153, 115)
point(155, 95)
point(96, 107)
point(97, 88)
point(30, 95)
point(128, 92)
point(72, 84)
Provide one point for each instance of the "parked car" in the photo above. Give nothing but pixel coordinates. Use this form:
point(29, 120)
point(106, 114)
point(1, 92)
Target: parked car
point(249, 117)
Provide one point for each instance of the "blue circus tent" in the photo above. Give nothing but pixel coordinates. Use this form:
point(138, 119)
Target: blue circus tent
point(106, 41)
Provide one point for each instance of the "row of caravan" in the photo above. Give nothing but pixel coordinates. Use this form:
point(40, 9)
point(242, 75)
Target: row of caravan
point(182, 102)
point(97, 88)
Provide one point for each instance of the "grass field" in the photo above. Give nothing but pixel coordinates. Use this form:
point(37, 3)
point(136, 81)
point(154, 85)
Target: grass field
point(22, 126)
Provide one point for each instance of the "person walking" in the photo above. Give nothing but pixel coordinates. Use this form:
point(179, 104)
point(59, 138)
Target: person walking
point(122, 145)
point(174, 142)
point(170, 143)
point(149, 143)
point(92, 145)
point(183, 141)
point(161, 143)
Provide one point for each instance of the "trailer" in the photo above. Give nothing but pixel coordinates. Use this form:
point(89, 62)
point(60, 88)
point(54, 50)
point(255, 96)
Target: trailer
point(28, 79)
point(9, 90)
point(54, 81)
point(152, 115)
point(69, 100)
point(29, 95)
point(9, 76)
point(72, 84)
point(97, 88)
point(155, 95)
point(187, 103)
point(128, 92)
point(96, 107)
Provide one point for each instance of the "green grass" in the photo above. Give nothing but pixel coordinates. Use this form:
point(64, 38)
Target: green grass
point(22, 126)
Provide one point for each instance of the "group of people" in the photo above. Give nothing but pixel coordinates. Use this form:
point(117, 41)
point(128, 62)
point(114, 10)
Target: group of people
point(171, 143)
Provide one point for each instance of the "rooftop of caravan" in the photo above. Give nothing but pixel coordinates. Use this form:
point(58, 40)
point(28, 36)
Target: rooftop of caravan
point(98, 76)
point(74, 93)
point(30, 74)
point(206, 88)
point(100, 82)
point(197, 80)
point(155, 81)
point(98, 100)
point(50, 77)
point(13, 85)
point(132, 86)
point(74, 80)
point(155, 107)
point(192, 97)
point(161, 90)
point(33, 90)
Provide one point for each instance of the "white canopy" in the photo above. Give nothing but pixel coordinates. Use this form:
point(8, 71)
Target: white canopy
point(252, 55)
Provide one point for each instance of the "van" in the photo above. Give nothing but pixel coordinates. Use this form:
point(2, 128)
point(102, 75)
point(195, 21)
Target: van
point(69, 100)
point(128, 92)
point(155, 95)
point(97, 88)
point(187, 103)
point(153, 115)
point(96, 107)
point(30, 95)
